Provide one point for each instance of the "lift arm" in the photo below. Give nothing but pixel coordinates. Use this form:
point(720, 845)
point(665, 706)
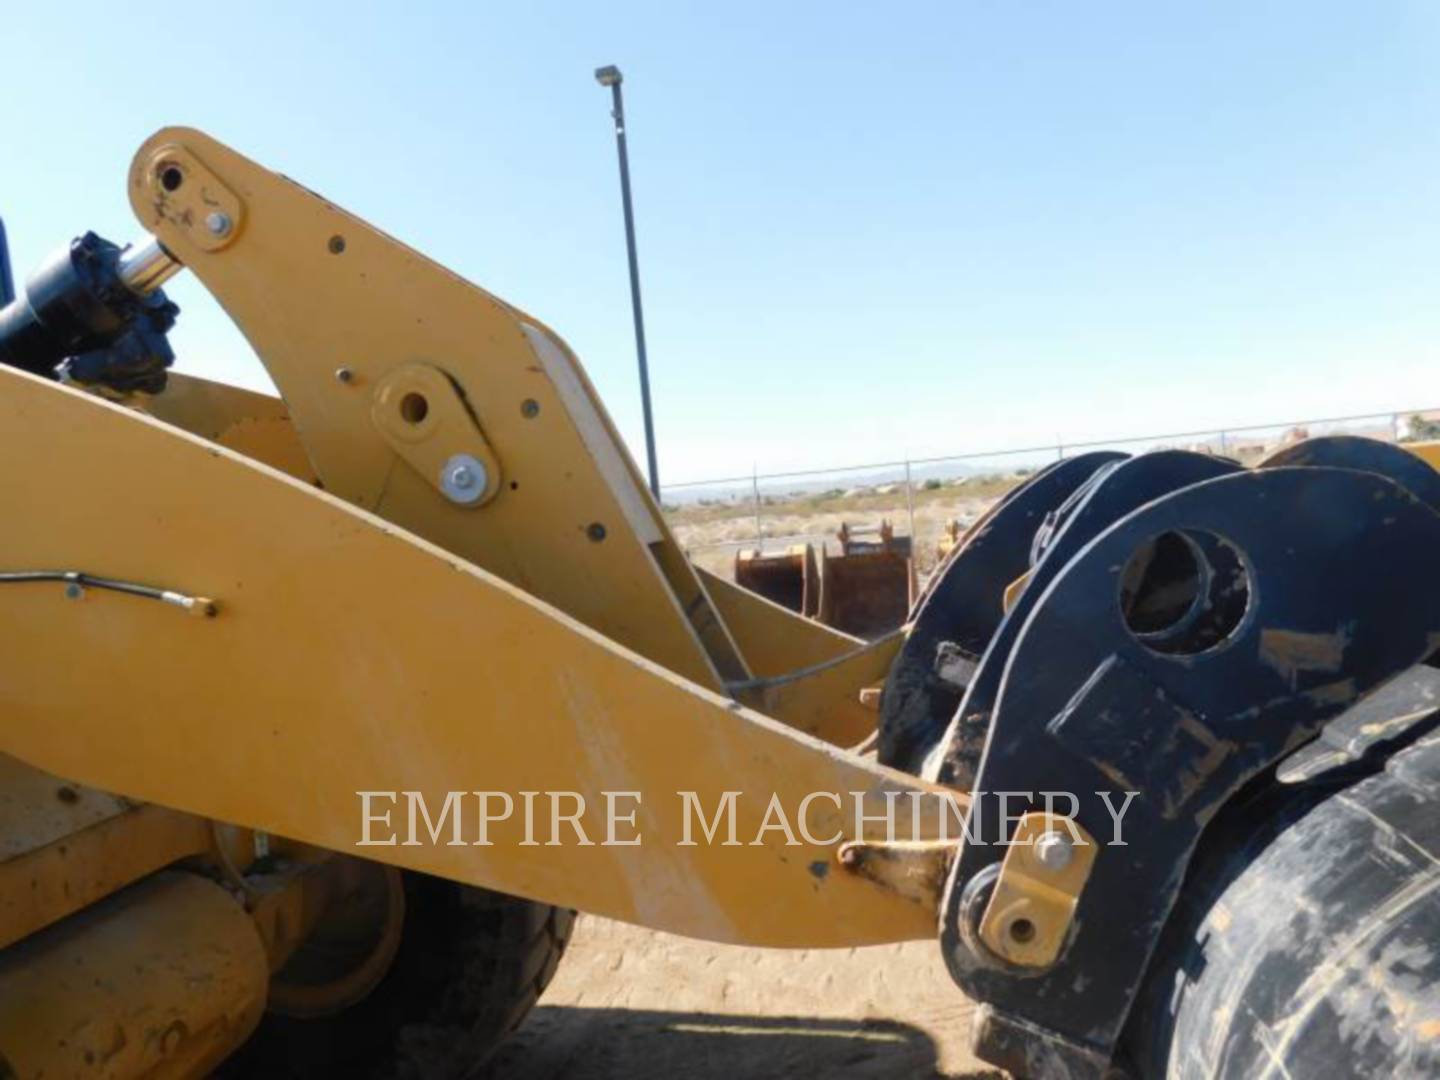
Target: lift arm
point(349, 656)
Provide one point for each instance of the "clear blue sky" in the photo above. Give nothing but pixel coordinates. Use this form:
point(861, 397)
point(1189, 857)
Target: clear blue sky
point(864, 230)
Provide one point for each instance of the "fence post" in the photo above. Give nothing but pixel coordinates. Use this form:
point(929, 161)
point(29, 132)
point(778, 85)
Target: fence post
point(1224, 445)
point(1395, 425)
point(910, 509)
point(755, 488)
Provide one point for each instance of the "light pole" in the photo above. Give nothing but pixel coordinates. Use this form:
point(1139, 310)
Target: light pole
point(7, 283)
point(610, 76)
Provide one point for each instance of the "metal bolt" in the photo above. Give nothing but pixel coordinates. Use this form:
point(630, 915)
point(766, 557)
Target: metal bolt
point(464, 479)
point(344, 374)
point(529, 408)
point(217, 223)
point(595, 531)
point(1053, 851)
point(74, 591)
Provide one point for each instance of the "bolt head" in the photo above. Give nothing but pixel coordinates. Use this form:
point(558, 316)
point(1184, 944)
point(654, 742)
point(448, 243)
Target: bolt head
point(464, 479)
point(344, 374)
point(1053, 851)
point(217, 223)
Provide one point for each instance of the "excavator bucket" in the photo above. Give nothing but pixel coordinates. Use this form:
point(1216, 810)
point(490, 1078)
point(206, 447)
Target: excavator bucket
point(868, 588)
point(787, 578)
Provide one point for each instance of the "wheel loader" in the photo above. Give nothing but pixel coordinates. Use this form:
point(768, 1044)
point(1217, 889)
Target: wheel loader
point(323, 713)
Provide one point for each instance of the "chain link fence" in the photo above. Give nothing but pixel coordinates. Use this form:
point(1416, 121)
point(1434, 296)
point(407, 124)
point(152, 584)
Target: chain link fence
point(925, 497)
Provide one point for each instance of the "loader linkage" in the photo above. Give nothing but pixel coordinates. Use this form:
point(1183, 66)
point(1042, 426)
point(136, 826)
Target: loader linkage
point(433, 568)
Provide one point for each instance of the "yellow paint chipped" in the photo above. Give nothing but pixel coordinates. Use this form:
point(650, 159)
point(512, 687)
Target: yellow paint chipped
point(1335, 693)
point(1292, 651)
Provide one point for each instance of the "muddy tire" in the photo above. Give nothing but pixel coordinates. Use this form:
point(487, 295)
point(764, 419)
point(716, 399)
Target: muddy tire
point(1306, 945)
point(469, 968)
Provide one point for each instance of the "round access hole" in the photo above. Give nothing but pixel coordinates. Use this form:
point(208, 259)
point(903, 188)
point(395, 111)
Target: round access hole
point(1184, 592)
point(414, 408)
point(171, 177)
point(1161, 584)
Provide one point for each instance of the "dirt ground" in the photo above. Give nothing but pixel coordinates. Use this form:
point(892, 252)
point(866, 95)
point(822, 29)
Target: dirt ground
point(634, 1004)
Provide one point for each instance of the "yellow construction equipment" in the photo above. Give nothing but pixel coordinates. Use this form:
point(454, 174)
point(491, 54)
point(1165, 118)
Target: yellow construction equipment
point(322, 714)
point(949, 539)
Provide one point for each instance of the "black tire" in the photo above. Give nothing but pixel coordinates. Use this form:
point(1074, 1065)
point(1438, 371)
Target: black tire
point(1305, 942)
point(471, 964)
